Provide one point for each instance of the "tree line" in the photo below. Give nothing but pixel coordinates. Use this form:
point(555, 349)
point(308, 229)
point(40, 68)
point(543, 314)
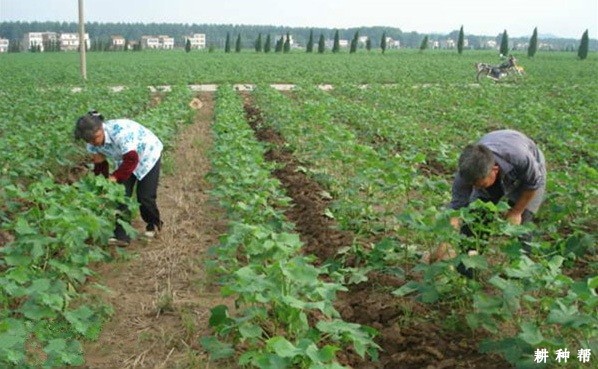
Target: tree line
point(247, 35)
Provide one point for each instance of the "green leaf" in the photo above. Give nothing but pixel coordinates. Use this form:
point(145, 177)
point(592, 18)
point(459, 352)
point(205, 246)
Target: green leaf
point(22, 228)
point(282, 347)
point(61, 351)
point(531, 334)
point(248, 330)
point(13, 335)
point(219, 316)
point(85, 321)
point(32, 310)
point(217, 350)
point(406, 289)
point(475, 261)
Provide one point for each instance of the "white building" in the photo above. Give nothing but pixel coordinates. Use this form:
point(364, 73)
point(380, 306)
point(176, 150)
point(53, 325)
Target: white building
point(157, 42)
point(4, 45)
point(166, 42)
point(491, 44)
point(392, 44)
point(197, 40)
point(117, 42)
point(33, 40)
point(342, 43)
point(284, 39)
point(150, 42)
point(70, 41)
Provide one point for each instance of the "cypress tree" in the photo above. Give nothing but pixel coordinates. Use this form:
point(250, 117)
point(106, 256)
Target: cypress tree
point(310, 42)
point(383, 42)
point(268, 44)
point(354, 42)
point(321, 44)
point(336, 47)
point(533, 44)
point(424, 44)
point(368, 44)
point(238, 44)
point(287, 44)
point(227, 43)
point(258, 43)
point(279, 44)
point(461, 41)
point(188, 45)
point(582, 52)
point(504, 43)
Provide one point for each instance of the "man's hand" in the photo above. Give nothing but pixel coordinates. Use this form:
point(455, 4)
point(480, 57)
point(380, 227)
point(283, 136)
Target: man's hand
point(112, 179)
point(513, 217)
point(456, 223)
point(514, 214)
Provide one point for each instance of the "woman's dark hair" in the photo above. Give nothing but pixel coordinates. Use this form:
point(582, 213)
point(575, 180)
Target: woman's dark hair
point(88, 125)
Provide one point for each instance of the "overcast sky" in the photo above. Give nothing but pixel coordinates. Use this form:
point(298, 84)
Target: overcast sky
point(563, 18)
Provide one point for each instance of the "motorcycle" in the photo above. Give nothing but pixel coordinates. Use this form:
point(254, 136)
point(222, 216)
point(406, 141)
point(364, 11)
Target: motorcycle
point(488, 72)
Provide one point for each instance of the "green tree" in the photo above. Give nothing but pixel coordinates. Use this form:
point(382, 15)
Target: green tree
point(268, 45)
point(354, 42)
point(238, 44)
point(504, 43)
point(279, 44)
point(461, 41)
point(287, 44)
point(336, 47)
point(321, 44)
point(310, 42)
point(188, 45)
point(533, 44)
point(424, 44)
point(582, 52)
point(383, 42)
point(227, 43)
point(368, 44)
point(258, 43)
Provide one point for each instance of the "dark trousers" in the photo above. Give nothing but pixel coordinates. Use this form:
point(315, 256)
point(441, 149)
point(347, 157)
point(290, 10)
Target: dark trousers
point(147, 192)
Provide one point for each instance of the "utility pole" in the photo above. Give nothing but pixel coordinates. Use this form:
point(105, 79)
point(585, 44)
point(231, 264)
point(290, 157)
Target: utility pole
point(82, 43)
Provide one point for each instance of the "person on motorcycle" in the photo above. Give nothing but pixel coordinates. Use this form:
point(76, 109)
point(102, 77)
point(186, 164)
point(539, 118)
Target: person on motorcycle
point(509, 63)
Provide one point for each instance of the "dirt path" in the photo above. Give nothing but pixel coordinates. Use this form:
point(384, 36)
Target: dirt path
point(160, 294)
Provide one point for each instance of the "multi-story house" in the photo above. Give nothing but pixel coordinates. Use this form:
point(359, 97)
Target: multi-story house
point(157, 42)
point(166, 42)
point(117, 42)
point(150, 42)
point(70, 41)
point(4, 45)
point(33, 40)
point(197, 40)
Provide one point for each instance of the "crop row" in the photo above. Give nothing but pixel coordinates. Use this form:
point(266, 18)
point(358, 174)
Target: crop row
point(349, 146)
point(53, 231)
point(285, 315)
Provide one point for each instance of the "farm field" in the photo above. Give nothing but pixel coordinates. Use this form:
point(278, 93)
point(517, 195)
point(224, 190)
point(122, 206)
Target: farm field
point(297, 220)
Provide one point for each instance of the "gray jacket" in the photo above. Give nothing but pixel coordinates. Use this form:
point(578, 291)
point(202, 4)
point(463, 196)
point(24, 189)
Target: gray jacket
point(522, 167)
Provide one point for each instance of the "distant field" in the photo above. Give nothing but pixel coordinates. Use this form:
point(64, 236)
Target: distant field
point(177, 67)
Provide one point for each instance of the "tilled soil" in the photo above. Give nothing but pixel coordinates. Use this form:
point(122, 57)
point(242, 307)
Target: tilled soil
point(407, 339)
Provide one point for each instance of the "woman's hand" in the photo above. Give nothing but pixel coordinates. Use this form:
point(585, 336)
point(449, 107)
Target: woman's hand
point(98, 158)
